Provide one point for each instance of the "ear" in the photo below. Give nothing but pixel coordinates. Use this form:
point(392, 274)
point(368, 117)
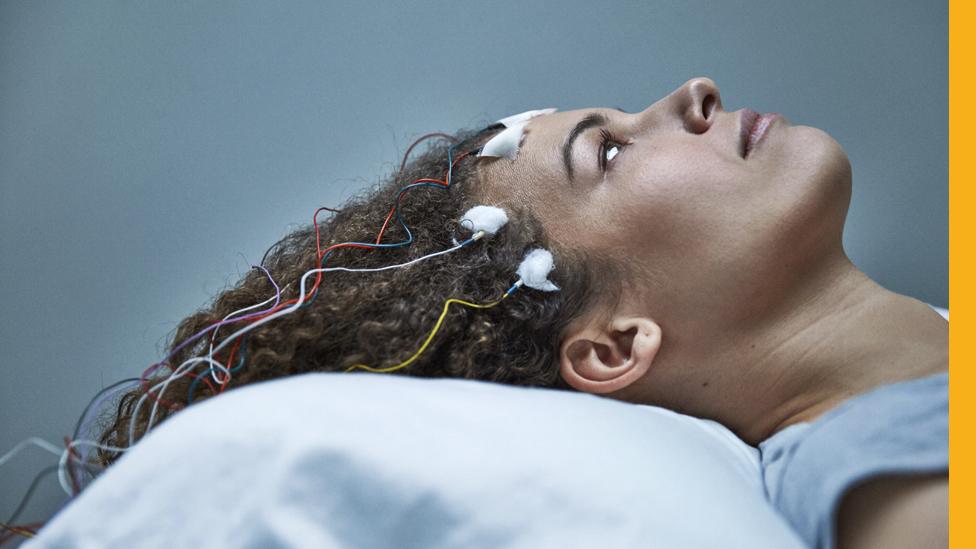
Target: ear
point(604, 359)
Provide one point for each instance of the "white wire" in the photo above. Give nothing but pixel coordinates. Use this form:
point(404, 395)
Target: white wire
point(184, 368)
point(64, 455)
point(213, 336)
point(305, 276)
point(37, 441)
point(407, 264)
point(190, 363)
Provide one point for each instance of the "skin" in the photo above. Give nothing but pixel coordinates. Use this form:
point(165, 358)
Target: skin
point(739, 303)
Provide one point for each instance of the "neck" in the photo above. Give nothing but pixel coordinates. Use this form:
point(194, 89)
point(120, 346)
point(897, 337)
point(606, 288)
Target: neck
point(840, 335)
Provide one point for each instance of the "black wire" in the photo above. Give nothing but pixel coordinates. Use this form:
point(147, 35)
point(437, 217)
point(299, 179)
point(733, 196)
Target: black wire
point(264, 258)
point(81, 418)
point(72, 463)
point(30, 491)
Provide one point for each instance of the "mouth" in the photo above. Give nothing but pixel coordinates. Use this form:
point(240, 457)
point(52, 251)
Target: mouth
point(752, 127)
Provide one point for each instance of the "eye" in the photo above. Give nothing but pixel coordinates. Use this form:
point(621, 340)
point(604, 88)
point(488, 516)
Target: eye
point(609, 148)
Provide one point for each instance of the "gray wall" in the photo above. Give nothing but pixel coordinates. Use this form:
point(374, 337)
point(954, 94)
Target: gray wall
point(149, 152)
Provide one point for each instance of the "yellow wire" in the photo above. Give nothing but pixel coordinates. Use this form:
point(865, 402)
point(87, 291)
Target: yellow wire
point(17, 530)
point(430, 337)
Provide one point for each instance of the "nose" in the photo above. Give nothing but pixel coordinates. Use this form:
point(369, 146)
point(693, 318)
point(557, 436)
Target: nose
point(695, 103)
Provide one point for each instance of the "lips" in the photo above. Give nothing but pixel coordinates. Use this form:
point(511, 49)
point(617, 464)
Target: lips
point(747, 120)
point(752, 127)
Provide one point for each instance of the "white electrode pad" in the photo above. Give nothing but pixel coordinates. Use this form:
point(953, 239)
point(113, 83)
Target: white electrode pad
point(506, 143)
point(535, 268)
point(484, 218)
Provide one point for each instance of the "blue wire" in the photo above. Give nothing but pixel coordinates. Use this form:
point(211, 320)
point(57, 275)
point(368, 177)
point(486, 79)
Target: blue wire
point(234, 370)
point(397, 207)
point(450, 165)
point(399, 219)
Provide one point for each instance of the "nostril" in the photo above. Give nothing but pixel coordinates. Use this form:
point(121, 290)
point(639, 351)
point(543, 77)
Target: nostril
point(708, 106)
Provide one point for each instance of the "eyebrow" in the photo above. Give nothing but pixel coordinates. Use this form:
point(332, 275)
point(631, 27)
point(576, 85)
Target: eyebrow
point(589, 121)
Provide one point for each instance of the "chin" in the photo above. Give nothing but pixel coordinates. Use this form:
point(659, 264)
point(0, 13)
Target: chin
point(822, 158)
point(810, 198)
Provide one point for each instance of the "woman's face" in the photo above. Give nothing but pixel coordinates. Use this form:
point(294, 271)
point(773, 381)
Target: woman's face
point(668, 194)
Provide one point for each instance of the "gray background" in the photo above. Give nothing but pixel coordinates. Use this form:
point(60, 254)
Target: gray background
point(150, 152)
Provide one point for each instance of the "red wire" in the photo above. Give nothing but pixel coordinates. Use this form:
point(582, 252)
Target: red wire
point(320, 254)
point(230, 360)
point(403, 163)
point(386, 222)
point(418, 141)
point(202, 376)
point(445, 183)
point(164, 402)
point(12, 529)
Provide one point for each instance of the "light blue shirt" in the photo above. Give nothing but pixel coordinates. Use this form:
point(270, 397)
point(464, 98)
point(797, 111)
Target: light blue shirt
point(901, 428)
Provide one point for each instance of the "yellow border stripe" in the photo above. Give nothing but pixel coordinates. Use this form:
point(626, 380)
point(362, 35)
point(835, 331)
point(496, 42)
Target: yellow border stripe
point(961, 227)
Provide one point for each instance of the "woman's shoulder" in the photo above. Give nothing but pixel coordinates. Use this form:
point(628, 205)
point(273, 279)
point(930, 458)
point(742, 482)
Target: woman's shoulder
point(895, 511)
point(895, 429)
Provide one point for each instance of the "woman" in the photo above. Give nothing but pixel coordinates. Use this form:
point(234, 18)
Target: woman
point(739, 303)
point(700, 267)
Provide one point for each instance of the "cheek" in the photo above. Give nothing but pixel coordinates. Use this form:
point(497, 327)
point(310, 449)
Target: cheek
point(692, 215)
point(678, 199)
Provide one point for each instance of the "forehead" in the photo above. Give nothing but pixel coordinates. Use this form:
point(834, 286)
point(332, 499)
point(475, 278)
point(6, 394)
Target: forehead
point(538, 167)
point(545, 135)
point(551, 130)
point(549, 134)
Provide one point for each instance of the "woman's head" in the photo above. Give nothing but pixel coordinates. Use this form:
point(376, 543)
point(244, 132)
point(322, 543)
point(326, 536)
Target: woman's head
point(706, 239)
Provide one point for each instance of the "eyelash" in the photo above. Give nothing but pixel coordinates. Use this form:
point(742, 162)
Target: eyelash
point(606, 138)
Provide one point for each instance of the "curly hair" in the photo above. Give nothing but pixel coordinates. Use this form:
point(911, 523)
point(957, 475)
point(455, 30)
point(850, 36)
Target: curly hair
point(381, 318)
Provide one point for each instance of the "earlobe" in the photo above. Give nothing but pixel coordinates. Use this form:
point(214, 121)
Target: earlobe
point(602, 360)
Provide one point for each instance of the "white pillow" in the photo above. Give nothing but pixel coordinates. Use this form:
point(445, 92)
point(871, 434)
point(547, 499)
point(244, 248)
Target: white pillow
point(368, 460)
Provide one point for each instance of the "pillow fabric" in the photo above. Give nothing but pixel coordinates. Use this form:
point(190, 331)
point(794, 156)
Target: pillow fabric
point(369, 460)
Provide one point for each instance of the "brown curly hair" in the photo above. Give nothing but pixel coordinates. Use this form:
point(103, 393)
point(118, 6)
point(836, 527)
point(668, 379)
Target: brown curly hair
point(381, 318)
